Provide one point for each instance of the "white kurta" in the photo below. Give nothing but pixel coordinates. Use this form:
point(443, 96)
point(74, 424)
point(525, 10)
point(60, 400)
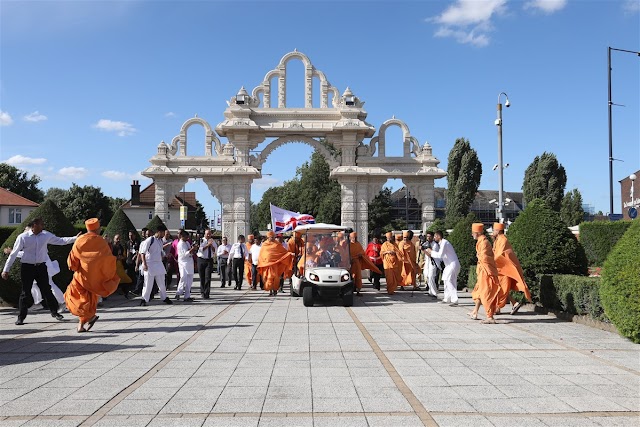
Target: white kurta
point(151, 249)
point(185, 265)
point(447, 254)
point(431, 271)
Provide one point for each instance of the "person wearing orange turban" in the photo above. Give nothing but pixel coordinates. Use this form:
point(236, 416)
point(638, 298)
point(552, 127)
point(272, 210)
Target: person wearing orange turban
point(273, 262)
point(486, 290)
point(94, 276)
point(510, 274)
point(247, 263)
point(392, 263)
point(409, 260)
point(342, 247)
point(359, 261)
point(295, 245)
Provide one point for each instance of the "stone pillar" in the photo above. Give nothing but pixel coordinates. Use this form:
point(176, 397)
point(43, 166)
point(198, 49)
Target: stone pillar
point(161, 199)
point(308, 87)
point(423, 190)
point(357, 192)
point(234, 195)
point(282, 86)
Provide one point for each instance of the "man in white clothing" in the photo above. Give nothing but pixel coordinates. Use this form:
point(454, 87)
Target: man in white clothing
point(254, 254)
point(430, 265)
point(223, 261)
point(154, 271)
point(185, 265)
point(447, 254)
point(237, 255)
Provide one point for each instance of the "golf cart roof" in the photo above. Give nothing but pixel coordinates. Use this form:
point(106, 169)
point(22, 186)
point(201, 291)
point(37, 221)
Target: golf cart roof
point(319, 228)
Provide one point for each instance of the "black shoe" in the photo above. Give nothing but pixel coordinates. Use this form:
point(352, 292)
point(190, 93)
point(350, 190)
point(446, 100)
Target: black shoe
point(222, 286)
point(127, 295)
point(135, 294)
point(19, 321)
point(189, 299)
point(143, 303)
point(177, 298)
point(58, 316)
point(167, 301)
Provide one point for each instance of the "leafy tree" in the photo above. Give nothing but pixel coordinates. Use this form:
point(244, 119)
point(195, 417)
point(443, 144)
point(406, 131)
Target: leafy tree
point(464, 171)
point(201, 216)
point(17, 181)
point(121, 224)
point(154, 223)
point(380, 212)
point(465, 247)
point(545, 179)
point(54, 222)
point(56, 194)
point(571, 210)
point(80, 203)
point(115, 203)
point(438, 225)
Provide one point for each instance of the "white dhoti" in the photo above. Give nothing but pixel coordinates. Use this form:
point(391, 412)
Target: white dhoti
point(450, 279)
point(430, 275)
point(155, 272)
point(186, 280)
point(53, 268)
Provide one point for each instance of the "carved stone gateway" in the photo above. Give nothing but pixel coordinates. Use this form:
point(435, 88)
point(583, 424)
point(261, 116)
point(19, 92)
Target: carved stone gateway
point(360, 168)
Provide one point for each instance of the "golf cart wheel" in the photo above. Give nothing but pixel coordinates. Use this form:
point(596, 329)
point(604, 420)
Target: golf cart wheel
point(347, 299)
point(307, 296)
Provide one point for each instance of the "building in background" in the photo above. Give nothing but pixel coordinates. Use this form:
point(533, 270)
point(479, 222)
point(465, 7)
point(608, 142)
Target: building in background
point(14, 208)
point(629, 200)
point(141, 207)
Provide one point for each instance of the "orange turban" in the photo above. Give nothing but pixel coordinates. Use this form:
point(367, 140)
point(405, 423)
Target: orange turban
point(477, 227)
point(271, 233)
point(92, 224)
point(498, 226)
point(405, 233)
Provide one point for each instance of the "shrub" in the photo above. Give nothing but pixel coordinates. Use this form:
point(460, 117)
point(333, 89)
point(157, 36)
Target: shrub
point(121, 224)
point(54, 222)
point(473, 277)
point(620, 289)
point(572, 294)
point(154, 223)
point(544, 244)
point(465, 247)
point(438, 225)
point(5, 232)
point(599, 237)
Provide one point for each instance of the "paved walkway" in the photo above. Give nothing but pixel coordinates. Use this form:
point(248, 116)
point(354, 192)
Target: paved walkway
point(245, 359)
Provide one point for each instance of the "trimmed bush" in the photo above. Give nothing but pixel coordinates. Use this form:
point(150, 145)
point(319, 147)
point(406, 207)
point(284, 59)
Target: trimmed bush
point(620, 289)
point(473, 277)
point(121, 224)
point(438, 225)
point(5, 232)
point(572, 294)
point(464, 246)
point(54, 222)
point(599, 237)
point(154, 223)
point(545, 245)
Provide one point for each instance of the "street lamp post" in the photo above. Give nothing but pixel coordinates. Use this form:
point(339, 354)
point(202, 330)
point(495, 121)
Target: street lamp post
point(632, 177)
point(498, 123)
point(611, 159)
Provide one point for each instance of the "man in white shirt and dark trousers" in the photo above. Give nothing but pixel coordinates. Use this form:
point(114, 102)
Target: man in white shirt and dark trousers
point(447, 254)
point(154, 271)
point(206, 252)
point(223, 259)
point(254, 255)
point(238, 254)
point(34, 243)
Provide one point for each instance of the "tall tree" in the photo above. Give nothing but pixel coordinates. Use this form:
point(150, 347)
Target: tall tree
point(464, 171)
point(115, 203)
point(380, 212)
point(201, 216)
point(17, 181)
point(80, 203)
point(571, 210)
point(545, 179)
point(55, 194)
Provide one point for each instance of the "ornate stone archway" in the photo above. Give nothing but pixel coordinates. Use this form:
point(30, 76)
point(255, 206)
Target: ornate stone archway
point(360, 168)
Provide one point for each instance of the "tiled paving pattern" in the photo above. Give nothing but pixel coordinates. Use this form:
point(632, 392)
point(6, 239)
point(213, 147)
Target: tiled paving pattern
point(244, 359)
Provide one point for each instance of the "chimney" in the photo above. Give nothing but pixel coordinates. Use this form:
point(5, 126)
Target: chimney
point(135, 193)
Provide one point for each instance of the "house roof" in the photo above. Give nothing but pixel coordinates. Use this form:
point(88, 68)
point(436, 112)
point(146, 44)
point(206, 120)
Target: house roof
point(9, 198)
point(148, 199)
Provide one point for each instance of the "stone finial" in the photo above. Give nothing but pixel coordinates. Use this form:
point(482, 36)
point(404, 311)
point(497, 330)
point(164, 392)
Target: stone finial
point(163, 149)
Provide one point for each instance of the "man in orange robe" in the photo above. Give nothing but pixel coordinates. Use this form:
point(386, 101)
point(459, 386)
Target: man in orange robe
point(409, 260)
point(296, 247)
point(274, 261)
point(487, 290)
point(94, 276)
point(359, 261)
point(510, 275)
point(392, 263)
point(342, 247)
point(247, 264)
point(308, 259)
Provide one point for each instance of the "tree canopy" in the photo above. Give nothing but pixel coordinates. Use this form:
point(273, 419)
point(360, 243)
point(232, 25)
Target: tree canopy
point(571, 210)
point(464, 171)
point(545, 179)
point(79, 203)
point(19, 182)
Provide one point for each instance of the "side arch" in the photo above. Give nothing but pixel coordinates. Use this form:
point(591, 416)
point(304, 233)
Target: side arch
point(258, 161)
point(408, 141)
point(211, 141)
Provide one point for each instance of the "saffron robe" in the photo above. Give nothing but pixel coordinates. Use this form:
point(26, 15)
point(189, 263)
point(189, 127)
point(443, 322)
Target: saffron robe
point(392, 266)
point(487, 289)
point(510, 274)
point(359, 261)
point(247, 265)
point(273, 262)
point(95, 275)
point(409, 263)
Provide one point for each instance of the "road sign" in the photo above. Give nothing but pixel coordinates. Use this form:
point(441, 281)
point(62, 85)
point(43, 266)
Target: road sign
point(633, 212)
point(183, 213)
point(182, 223)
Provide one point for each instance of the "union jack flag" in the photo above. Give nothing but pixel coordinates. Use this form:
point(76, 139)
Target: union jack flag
point(283, 220)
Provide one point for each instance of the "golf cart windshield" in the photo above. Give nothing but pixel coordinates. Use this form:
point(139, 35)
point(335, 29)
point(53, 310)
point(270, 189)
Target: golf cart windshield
point(325, 246)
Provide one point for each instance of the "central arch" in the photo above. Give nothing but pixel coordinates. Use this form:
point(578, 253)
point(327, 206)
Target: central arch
point(258, 160)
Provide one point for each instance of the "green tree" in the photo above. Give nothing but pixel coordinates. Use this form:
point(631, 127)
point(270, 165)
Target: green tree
point(81, 203)
point(201, 216)
point(438, 225)
point(464, 171)
point(465, 247)
point(54, 222)
point(18, 181)
point(380, 212)
point(115, 203)
point(571, 210)
point(545, 179)
point(56, 194)
point(154, 223)
point(121, 224)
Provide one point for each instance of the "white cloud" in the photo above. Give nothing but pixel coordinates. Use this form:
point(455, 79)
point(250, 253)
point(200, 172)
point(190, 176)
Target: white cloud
point(20, 160)
point(631, 6)
point(5, 118)
point(115, 175)
point(170, 114)
point(469, 21)
point(546, 6)
point(34, 117)
point(121, 128)
point(265, 183)
point(72, 172)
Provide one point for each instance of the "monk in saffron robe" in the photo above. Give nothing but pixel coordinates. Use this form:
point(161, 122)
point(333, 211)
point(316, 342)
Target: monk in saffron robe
point(296, 247)
point(94, 276)
point(409, 260)
point(342, 247)
point(247, 264)
point(487, 290)
point(510, 274)
point(359, 261)
point(309, 258)
point(391, 263)
point(273, 262)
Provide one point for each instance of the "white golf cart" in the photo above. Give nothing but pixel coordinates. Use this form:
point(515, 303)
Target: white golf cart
point(326, 275)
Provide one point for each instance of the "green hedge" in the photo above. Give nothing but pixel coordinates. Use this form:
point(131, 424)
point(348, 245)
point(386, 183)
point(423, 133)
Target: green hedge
point(5, 232)
point(599, 237)
point(473, 277)
point(121, 224)
point(577, 295)
point(154, 223)
point(620, 290)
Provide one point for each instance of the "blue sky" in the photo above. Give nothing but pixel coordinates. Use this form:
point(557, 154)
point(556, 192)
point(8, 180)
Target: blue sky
point(89, 89)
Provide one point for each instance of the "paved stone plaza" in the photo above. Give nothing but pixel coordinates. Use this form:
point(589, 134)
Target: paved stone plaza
point(244, 359)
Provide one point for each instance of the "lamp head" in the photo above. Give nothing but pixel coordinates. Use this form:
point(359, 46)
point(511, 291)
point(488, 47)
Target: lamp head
point(632, 177)
point(495, 167)
point(507, 103)
point(492, 201)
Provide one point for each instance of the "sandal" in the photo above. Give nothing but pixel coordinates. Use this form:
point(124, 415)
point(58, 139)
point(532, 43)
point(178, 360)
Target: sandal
point(472, 316)
point(489, 321)
point(89, 324)
point(81, 328)
point(515, 308)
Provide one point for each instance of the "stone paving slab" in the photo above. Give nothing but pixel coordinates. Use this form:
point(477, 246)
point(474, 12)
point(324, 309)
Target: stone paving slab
point(242, 358)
